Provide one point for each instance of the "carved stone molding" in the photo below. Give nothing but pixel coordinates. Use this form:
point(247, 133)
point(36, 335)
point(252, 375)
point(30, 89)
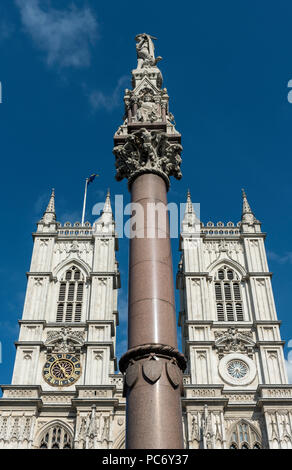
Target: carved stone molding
point(57, 399)
point(38, 281)
point(240, 397)
point(148, 152)
point(64, 341)
point(151, 370)
point(277, 392)
point(234, 340)
point(132, 373)
point(15, 430)
point(94, 430)
point(145, 350)
point(152, 363)
point(19, 393)
point(209, 392)
point(116, 380)
point(76, 247)
point(173, 373)
point(93, 393)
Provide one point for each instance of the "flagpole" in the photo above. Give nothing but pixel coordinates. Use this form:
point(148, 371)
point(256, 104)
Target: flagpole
point(84, 202)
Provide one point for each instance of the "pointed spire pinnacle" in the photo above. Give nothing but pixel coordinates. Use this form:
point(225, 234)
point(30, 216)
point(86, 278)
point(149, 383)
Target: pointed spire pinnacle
point(50, 213)
point(48, 220)
point(105, 223)
point(190, 220)
point(189, 206)
point(247, 213)
point(51, 205)
point(245, 205)
point(107, 205)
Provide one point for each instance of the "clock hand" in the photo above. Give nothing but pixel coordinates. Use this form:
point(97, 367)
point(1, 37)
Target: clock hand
point(64, 372)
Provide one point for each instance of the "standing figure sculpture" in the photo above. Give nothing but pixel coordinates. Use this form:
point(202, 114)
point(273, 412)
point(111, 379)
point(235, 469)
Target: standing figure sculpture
point(145, 51)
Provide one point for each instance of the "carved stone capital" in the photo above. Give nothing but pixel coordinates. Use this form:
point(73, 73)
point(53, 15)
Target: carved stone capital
point(148, 152)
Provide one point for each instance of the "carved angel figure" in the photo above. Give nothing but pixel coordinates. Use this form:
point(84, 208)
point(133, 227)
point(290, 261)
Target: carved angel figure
point(145, 51)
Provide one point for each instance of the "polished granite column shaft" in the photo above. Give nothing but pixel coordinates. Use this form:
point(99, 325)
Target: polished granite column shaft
point(151, 294)
point(154, 417)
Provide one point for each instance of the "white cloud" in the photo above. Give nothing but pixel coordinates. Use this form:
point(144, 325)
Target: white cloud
point(41, 203)
point(100, 194)
point(282, 259)
point(64, 36)
point(98, 99)
point(72, 217)
point(289, 370)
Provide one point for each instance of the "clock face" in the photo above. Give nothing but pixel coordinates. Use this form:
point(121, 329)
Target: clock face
point(62, 370)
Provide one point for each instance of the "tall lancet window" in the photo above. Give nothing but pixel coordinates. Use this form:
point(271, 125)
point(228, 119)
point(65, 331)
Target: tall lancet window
point(70, 299)
point(228, 295)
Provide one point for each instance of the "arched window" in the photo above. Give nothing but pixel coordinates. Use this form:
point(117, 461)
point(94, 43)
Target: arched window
point(70, 299)
point(244, 436)
point(228, 295)
point(56, 438)
point(221, 274)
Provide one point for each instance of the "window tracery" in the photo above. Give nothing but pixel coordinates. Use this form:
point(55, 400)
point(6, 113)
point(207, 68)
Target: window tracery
point(56, 437)
point(228, 295)
point(69, 308)
point(244, 436)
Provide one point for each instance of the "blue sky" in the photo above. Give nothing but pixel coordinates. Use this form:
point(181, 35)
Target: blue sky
point(63, 69)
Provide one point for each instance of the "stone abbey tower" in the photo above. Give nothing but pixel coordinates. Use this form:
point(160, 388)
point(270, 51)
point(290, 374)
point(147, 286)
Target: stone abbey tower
point(66, 390)
point(236, 388)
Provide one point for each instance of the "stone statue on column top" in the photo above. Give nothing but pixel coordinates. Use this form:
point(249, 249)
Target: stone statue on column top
point(145, 51)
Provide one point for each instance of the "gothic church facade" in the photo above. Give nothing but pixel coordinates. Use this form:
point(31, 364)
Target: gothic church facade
point(66, 391)
point(237, 394)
